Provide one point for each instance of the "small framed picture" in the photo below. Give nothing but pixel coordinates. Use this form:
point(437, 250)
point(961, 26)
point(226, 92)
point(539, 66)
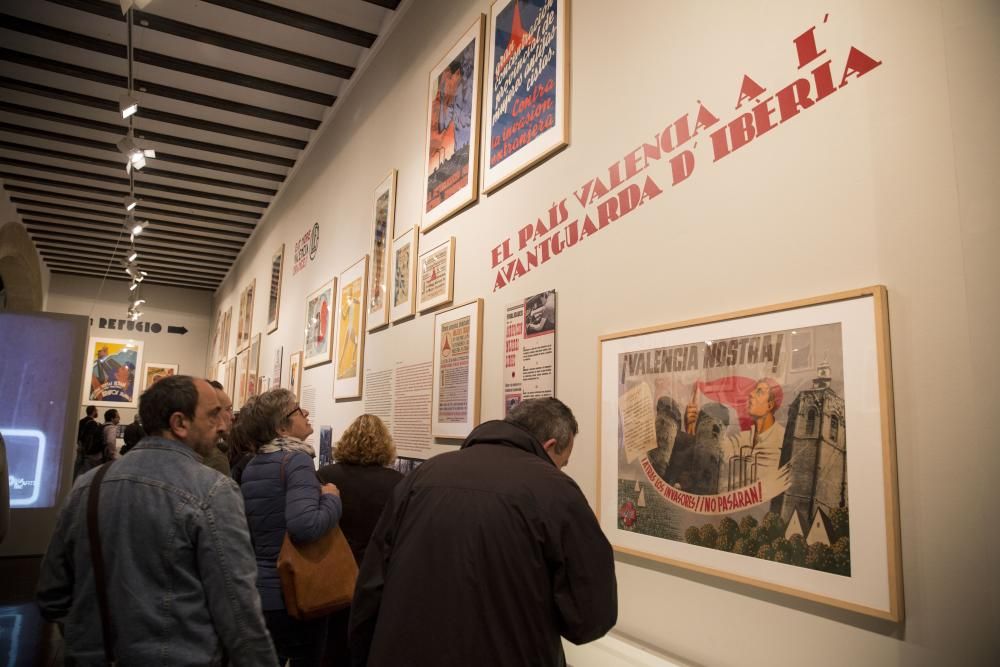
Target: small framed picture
point(242, 377)
point(155, 371)
point(458, 352)
point(274, 291)
point(253, 365)
point(404, 274)
point(318, 347)
point(382, 230)
point(295, 374)
point(350, 330)
point(436, 282)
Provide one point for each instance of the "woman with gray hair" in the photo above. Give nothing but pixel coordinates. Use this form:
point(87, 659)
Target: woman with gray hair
point(282, 494)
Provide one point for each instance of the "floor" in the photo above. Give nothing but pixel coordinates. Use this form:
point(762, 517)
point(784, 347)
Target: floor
point(25, 638)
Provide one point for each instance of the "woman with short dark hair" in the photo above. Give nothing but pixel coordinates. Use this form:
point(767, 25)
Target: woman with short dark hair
point(282, 494)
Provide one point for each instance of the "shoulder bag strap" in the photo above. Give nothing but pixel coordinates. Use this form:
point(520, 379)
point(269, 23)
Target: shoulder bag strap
point(97, 554)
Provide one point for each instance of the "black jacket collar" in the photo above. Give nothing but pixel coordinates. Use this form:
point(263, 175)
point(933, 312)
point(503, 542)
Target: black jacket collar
point(505, 434)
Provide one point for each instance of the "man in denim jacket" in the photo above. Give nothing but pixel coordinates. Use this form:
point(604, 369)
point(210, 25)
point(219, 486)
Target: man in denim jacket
point(180, 567)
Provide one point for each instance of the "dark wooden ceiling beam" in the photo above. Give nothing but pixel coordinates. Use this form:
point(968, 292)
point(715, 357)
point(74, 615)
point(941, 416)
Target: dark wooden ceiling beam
point(299, 20)
point(52, 169)
point(60, 268)
point(119, 196)
point(32, 198)
point(94, 246)
point(109, 235)
point(119, 216)
point(150, 114)
point(388, 4)
point(158, 137)
point(157, 229)
point(198, 193)
point(42, 234)
point(145, 262)
point(88, 43)
point(204, 180)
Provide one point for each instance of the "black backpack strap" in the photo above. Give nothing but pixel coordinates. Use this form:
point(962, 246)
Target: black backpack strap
point(97, 554)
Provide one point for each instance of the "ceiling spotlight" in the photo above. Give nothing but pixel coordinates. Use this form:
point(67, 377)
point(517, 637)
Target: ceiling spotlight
point(133, 256)
point(128, 105)
point(128, 4)
point(135, 155)
point(131, 203)
point(132, 288)
point(135, 227)
point(137, 303)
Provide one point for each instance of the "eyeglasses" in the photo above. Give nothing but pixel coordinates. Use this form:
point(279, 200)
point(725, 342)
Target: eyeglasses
point(298, 408)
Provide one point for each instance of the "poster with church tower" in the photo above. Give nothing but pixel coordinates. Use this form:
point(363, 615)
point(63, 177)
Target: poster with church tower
point(731, 442)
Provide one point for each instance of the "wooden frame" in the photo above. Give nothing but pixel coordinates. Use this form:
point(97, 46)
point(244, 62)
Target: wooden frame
point(227, 325)
point(349, 369)
point(111, 378)
point(317, 347)
point(274, 289)
point(457, 379)
point(158, 370)
point(436, 270)
point(295, 374)
point(279, 355)
point(253, 368)
point(515, 91)
point(451, 178)
point(230, 381)
point(404, 274)
point(241, 376)
point(825, 505)
point(246, 316)
point(383, 220)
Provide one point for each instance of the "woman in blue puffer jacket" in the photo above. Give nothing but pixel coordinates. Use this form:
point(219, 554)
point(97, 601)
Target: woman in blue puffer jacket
point(282, 493)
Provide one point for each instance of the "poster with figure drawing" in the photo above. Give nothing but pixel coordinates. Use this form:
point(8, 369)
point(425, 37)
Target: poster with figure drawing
point(350, 330)
point(382, 229)
point(404, 270)
point(318, 346)
point(112, 370)
point(724, 447)
point(451, 180)
point(527, 75)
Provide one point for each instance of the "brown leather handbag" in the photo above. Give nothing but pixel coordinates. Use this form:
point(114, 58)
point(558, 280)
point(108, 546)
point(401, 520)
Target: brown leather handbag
point(317, 578)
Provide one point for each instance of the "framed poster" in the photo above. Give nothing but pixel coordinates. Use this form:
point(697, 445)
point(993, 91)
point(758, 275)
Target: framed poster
point(295, 374)
point(436, 284)
point(274, 290)
point(276, 368)
point(350, 330)
point(253, 368)
point(527, 79)
point(231, 378)
point(529, 357)
point(451, 181)
point(458, 352)
point(318, 346)
point(242, 375)
point(154, 370)
point(110, 377)
point(718, 454)
point(404, 274)
point(246, 316)
point(227, 323)
point(382, 230)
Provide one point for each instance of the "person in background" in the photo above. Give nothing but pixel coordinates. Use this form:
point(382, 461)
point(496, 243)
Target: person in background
point(88, 439)
point(366, 484)
point(486, 555)
point(217, 458)
point(133, 434)
point(110, 435)
point(242, 447)
point(283, 495)
point(181, 574)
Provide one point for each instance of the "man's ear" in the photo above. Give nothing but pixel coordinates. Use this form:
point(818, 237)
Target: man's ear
point(178, 424)
point(549, 444)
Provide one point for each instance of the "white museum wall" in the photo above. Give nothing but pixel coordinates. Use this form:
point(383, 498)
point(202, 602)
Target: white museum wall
point(889, 180)
point(167, 306)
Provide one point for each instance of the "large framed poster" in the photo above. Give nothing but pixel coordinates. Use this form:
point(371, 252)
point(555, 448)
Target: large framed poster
point(529, 350)
point(318, 347)
point(382, 229)
point(723, 448)
point(110, 378)
point(242, 376)
point(274, 289)
point(253, 368)
point(245, 315)
point(404, 274)
point(451, 181)
point(350, 330)
point(458, 353)
point(527, 80)
point(154, 371)
point(231, 379)
point(225, 324)
point(295, 374)
point(436, 279)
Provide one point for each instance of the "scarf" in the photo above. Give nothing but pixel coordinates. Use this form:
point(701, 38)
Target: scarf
point(287, 443)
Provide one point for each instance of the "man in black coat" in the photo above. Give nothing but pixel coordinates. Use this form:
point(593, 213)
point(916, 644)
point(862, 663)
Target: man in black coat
point(487, 555)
